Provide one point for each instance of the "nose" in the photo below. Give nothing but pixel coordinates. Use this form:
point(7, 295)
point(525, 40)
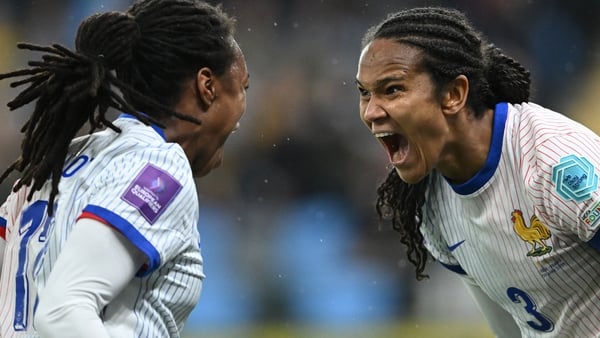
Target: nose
point(373, 111)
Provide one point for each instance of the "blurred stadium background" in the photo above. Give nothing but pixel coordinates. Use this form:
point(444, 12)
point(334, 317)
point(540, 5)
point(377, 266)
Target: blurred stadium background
point(291, 244)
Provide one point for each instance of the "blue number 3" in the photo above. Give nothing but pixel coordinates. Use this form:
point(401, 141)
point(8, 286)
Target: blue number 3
point(543, 322)
point(33, 217)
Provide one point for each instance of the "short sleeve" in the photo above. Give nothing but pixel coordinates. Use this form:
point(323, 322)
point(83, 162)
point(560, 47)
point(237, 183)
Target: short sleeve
point(150, 197)
point(564, 185)
point(11, 209)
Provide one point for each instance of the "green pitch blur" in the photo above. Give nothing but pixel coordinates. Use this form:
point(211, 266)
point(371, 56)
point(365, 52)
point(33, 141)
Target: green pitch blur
point(406, 329)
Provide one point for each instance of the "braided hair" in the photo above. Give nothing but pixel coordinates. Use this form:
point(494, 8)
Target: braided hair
point(450, 47)
point(134, 61)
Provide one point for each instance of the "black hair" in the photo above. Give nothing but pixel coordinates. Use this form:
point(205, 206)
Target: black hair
point(134, 61)
point(450, 46)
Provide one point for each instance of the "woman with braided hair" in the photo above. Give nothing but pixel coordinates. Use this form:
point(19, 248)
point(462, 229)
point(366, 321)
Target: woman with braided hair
point(497, 189)
point(99, 236)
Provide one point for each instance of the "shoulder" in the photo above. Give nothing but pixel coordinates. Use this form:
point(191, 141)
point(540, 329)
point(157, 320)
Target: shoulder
point(542, 137)
point(532, 121)
point(137, 146)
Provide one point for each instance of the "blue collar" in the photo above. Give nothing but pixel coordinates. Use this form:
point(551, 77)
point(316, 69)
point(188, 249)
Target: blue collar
point(493, 158)
point(155, 127)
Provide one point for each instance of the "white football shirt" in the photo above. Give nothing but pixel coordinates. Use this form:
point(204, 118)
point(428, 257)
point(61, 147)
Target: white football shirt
point(140, 185)
point(524, 228)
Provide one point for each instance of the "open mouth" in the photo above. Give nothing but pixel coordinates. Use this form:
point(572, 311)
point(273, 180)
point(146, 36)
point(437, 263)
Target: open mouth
point(395, 144)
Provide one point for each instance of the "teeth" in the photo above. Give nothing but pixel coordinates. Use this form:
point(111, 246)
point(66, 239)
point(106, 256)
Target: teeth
point(383, 134)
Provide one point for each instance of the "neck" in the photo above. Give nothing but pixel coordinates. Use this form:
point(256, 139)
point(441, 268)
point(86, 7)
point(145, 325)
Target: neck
point(468, 152)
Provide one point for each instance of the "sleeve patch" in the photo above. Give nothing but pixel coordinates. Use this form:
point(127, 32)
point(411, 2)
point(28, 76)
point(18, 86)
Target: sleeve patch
point(151, 192)
point(575, 178)
point(591, 216)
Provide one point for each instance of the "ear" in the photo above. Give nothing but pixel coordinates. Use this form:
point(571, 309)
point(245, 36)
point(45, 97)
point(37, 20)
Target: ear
point(454, 97)
point(205, 87)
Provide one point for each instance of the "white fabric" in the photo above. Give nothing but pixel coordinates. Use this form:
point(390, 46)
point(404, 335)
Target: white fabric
point(3, 217)
point(501, 322)
point(525, 244)
point(143, 187)
point(85, 278)
point(2, 245)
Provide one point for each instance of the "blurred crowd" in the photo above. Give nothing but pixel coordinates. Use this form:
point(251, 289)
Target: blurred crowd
point(289, 232)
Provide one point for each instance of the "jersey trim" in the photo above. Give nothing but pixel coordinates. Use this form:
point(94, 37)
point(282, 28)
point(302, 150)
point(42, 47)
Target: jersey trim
point(89, 215)
point(595, 241)
point(2, 228)
point(155, 127)
point(491, 163)
point(131, 233)
point(454, 268)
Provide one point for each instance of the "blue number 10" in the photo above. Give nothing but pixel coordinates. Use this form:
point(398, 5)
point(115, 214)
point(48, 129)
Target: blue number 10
point(32, 218)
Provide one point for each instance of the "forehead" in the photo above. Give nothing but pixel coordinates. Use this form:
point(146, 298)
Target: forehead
point(383, 56)
point(238, 71)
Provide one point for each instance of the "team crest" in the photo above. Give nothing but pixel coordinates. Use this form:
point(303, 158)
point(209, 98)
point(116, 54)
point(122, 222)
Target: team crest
point(535, 233)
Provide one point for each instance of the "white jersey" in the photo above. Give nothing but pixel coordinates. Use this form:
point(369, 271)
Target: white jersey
point(140, 185)
point(524, 228)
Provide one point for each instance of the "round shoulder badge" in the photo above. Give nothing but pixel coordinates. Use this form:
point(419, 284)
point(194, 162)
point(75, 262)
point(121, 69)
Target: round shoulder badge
point(575, 178)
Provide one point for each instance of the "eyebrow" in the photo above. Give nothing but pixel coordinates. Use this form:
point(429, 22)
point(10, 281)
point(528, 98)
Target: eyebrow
point(382, 82)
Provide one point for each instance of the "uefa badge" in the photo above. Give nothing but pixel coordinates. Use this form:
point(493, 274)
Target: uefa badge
point(575, 178)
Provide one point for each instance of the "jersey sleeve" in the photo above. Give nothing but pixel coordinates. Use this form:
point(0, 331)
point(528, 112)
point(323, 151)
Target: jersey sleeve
point(82, 282)
point(564, 186)
point(3, 217)
point(9, 212)
point(150, 198)
point(2, 240)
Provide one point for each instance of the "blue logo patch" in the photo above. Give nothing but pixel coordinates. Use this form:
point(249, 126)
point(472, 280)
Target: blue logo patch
point(575, 178)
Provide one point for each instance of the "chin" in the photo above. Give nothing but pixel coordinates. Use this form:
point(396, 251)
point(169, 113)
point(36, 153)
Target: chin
point(408, 177)
point(200, 172)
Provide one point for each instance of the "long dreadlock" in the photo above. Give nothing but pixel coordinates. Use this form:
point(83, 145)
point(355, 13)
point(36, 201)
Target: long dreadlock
point(134, 62)
point(451, 47)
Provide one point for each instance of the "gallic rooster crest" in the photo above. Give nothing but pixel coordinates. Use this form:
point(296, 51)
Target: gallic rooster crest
point(535, 234)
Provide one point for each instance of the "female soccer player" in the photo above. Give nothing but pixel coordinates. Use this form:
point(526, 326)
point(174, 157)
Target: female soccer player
point(100, 231)
point(498, 189)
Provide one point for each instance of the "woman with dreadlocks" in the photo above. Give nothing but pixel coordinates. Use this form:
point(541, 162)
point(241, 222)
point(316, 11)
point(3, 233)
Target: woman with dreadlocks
point(498, 189)
point(106, 223)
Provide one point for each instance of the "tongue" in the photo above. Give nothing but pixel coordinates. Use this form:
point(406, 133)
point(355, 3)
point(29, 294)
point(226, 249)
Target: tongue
point(400, 152)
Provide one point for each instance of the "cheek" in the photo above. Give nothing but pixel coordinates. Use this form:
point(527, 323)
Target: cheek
point(361, 111)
